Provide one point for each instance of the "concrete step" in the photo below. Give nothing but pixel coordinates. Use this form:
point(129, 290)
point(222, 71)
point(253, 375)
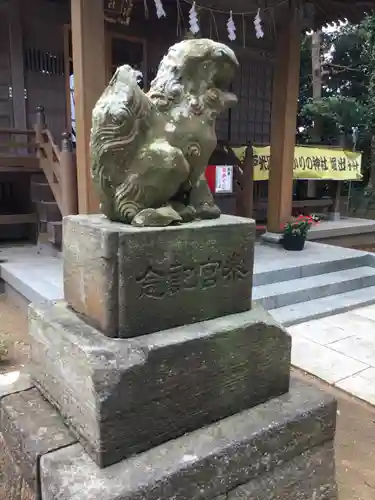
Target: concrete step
point(54, 230)
point(294, 270)
point(48, 211)
point(323, 307)
point(295, 291)
point(37, 279)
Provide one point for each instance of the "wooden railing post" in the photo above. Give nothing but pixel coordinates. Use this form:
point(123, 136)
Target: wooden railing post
point(248, 182)
point(40, 122)
point(68, 177)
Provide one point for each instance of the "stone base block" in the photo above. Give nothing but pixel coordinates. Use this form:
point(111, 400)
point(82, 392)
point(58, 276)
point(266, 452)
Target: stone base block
point(279, 450)
point(29, 428)
point(334, 216)
point(12, 484)
point(124, 396)
point(130, 281)
point(271, 238)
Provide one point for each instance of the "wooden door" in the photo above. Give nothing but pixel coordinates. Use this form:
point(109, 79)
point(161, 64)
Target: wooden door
point(6, 102)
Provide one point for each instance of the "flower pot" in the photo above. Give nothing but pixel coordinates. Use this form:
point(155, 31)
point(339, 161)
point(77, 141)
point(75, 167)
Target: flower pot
point(294, 242)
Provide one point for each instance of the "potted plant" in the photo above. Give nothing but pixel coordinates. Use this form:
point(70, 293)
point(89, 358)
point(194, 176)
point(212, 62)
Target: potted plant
point(295, 232)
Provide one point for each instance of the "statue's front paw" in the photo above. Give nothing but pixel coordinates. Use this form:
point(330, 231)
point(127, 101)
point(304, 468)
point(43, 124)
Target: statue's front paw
point(208, 211)
point(156, 217)
point(188, 213)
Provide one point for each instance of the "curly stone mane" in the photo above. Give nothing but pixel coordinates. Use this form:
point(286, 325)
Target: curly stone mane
point(174, 79)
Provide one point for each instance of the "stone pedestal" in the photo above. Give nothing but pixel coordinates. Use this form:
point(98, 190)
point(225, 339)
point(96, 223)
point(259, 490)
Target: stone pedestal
point(121, 397)
point(280, 450)
point(156, 379)
point(130, 281)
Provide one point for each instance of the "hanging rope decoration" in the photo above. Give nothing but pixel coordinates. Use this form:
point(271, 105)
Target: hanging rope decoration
point(247, 13)
point(231, 27)
point(160, 12)
point(194, 26)
point(259, 33)
point(193, 20)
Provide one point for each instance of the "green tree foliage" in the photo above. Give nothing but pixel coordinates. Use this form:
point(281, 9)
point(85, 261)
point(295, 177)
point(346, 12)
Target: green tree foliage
point(345, 81)
point(348, 92)
point(339, 112)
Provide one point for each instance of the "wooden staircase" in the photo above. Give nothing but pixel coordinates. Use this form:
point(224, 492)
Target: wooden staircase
point(57, 190)
point(48, 211)
point(18, 162)
point(38, 183)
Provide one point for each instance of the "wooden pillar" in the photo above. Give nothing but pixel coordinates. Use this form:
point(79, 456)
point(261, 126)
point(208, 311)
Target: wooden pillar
point(68, 177)
point(248, 182)
point(284, 121)
point(90, 78)
point(16, 60)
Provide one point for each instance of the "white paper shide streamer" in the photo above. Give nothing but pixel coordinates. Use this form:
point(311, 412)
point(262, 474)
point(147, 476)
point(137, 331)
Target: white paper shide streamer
point(231, 27)
point(160, 12)
point(259, 33)
point(193, 20)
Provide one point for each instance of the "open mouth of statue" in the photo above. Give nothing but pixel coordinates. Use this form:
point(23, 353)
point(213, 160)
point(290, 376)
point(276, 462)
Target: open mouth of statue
point(222, 81)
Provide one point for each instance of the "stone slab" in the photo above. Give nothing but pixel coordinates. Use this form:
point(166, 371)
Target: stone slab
point(124, 396)
point(310, 476)
point(255, 447)
point(20, 383)
point(324, 362)
point(271, 238)
point(360, 385)
point(130, 281)
point(31, 428)
point(12, 484)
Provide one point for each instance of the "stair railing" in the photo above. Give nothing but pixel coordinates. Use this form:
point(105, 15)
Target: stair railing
point(58, 165)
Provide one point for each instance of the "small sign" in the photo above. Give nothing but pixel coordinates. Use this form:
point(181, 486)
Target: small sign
point(224, 179)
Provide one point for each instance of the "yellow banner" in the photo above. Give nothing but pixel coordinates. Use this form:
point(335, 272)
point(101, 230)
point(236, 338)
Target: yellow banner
point(310, 163)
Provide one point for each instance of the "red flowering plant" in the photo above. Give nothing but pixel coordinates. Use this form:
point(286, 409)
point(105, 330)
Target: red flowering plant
point(299, 226)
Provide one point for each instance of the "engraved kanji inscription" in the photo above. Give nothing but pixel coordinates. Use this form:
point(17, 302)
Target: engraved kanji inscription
point(190, 277)
point(158, 281)
point(234, 268)
point(208, 274)
point(153, 284)
point(175, 279)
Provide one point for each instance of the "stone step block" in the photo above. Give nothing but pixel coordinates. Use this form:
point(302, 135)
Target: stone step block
point(316, 259)
point(280, 450)
point(129, 281)
point(124, 396)
point(314, 287)
point(54, 231)
point(48, 211)
point(326, 306)
point(30, 428)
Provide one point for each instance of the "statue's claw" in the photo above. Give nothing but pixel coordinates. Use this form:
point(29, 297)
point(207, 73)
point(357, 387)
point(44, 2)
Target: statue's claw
point(151, 217)
point(186, 212)
point(208, 211)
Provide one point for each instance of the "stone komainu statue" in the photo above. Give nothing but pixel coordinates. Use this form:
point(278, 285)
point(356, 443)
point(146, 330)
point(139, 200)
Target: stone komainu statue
point(150, 151)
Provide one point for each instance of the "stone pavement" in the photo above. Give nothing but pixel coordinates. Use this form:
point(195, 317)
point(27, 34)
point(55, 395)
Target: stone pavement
point(339, 350)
